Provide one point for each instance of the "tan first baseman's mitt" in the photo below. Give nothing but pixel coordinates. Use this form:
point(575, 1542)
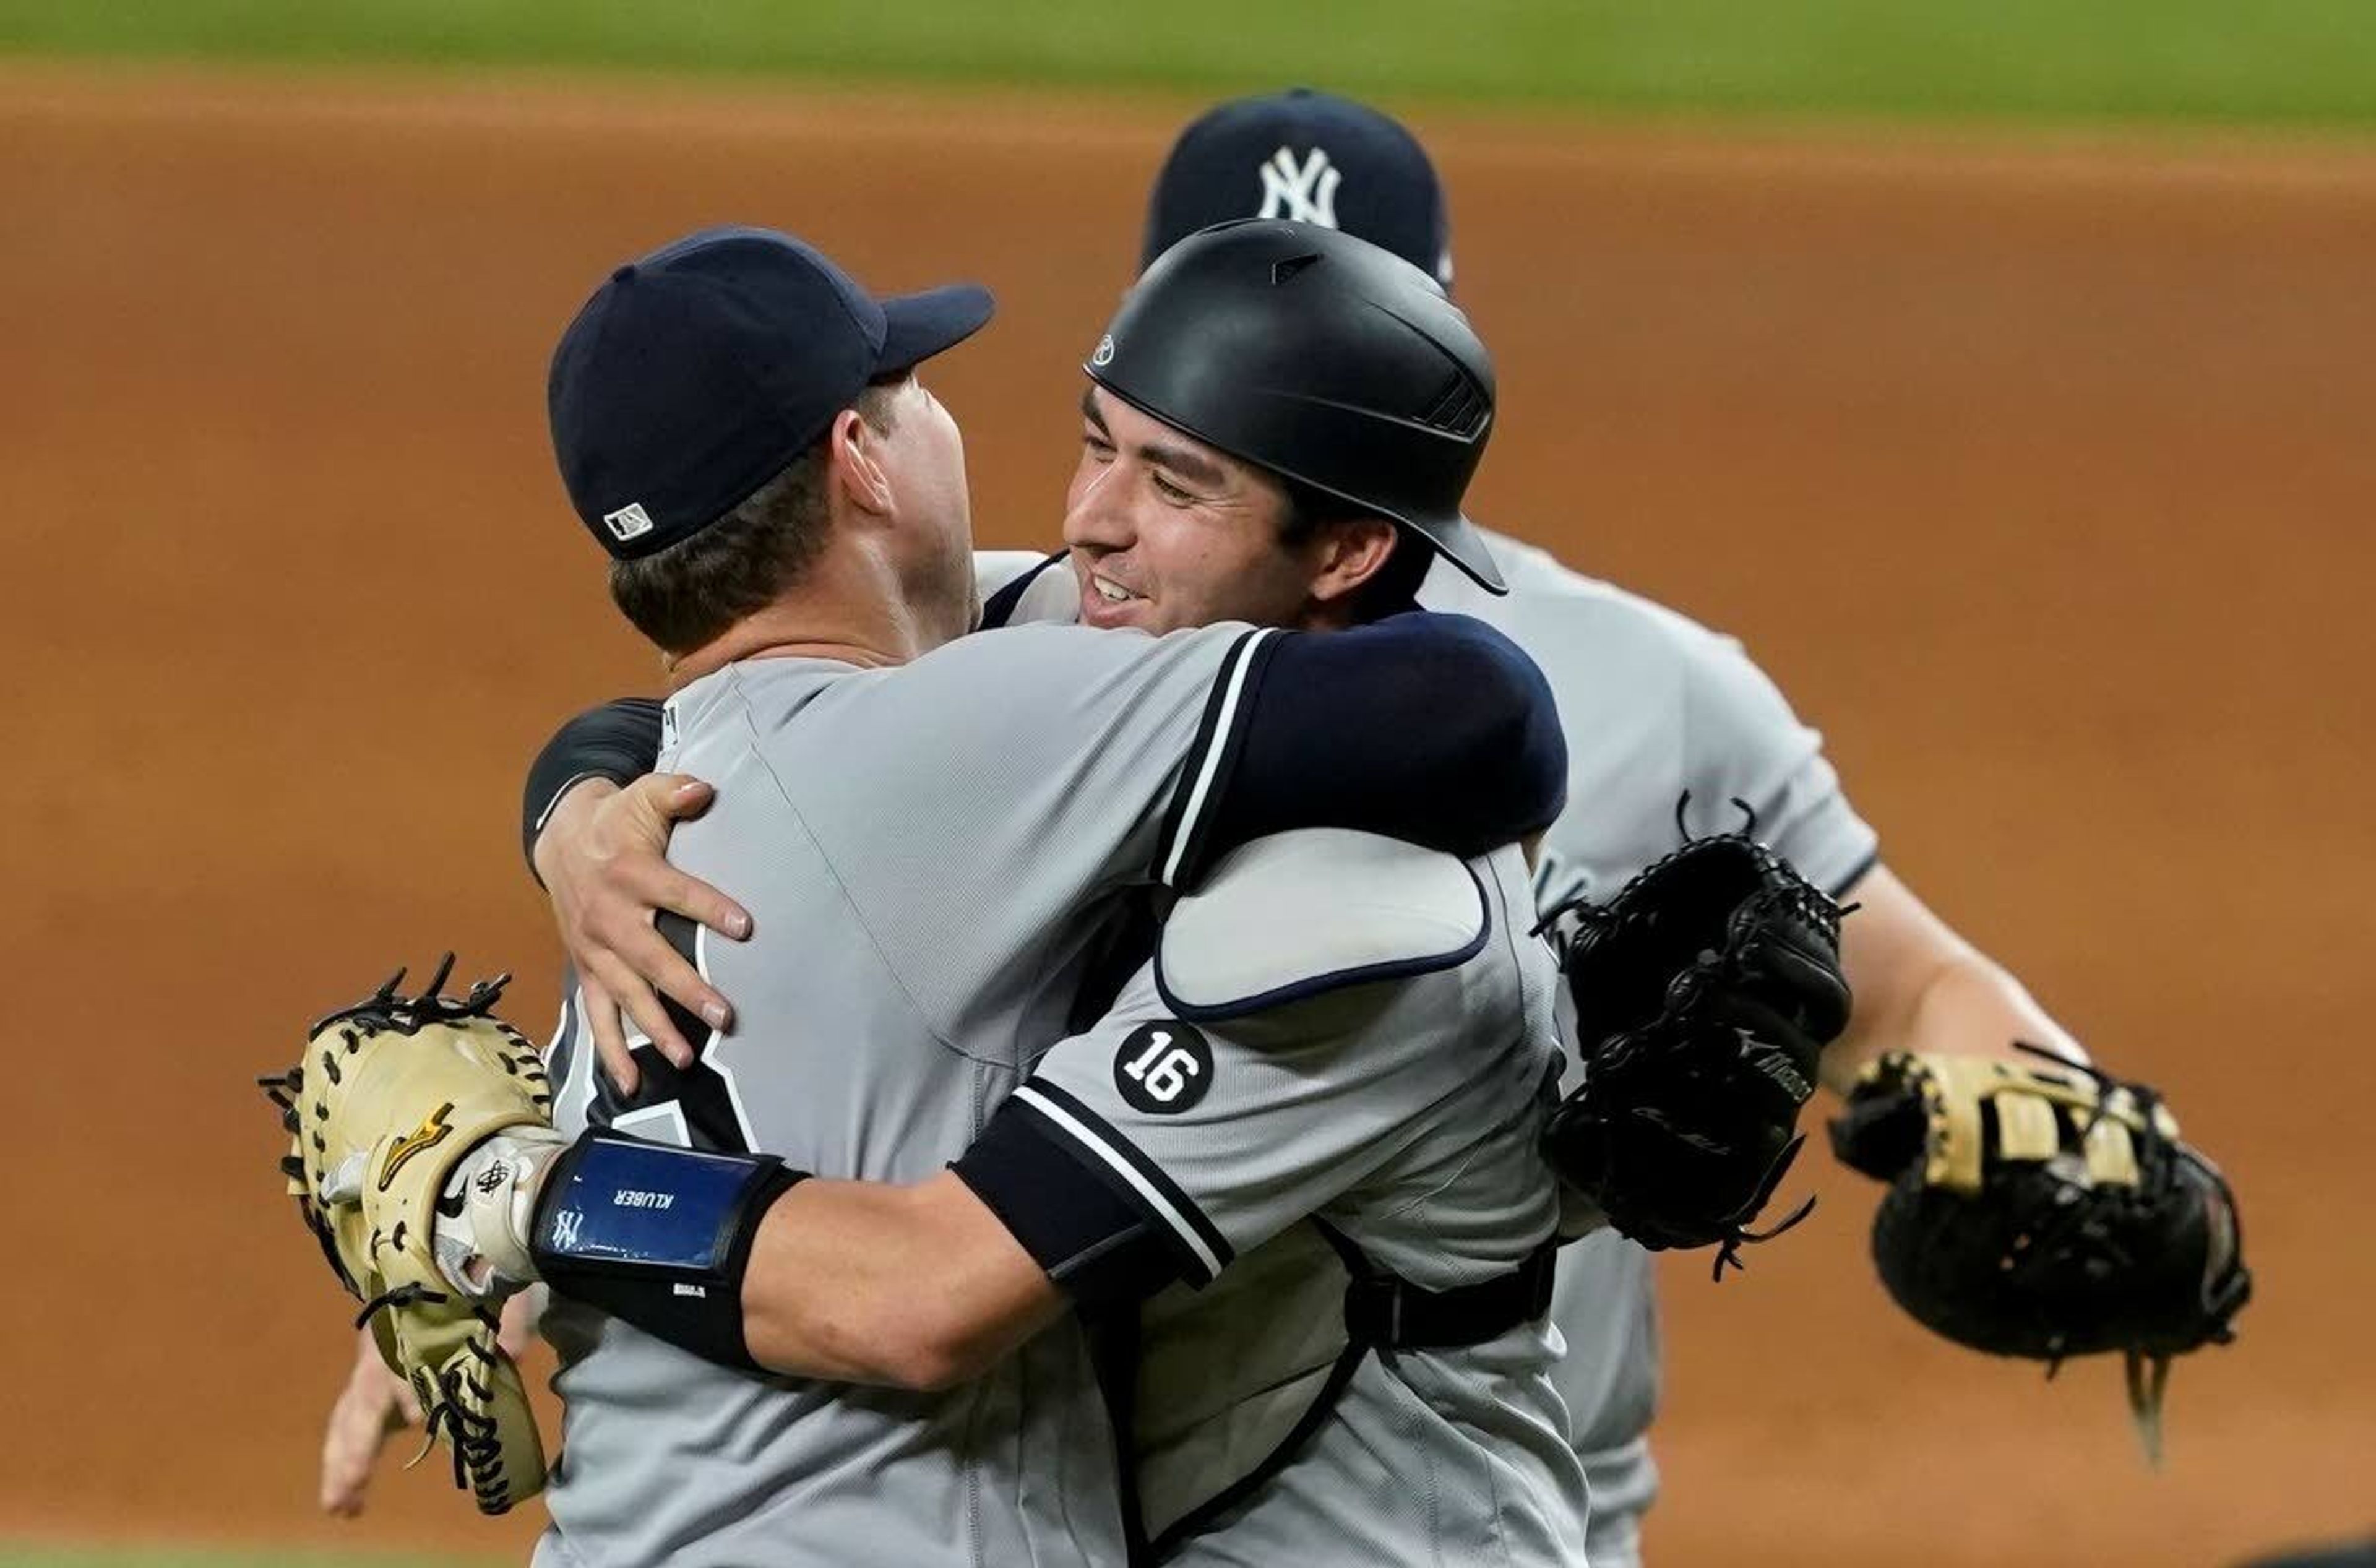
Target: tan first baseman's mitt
point(389, 1096)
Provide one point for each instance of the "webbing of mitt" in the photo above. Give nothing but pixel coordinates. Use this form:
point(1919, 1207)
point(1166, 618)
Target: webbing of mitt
point(2047, 1212)
point(2109, 1147)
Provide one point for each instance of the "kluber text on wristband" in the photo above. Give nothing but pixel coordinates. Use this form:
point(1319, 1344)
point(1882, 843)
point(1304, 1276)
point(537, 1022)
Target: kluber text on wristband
point(658, 1236)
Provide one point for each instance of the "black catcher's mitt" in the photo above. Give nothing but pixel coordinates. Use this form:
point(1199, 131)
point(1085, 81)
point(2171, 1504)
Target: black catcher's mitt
point(2046, 1211)
point(1704, 990)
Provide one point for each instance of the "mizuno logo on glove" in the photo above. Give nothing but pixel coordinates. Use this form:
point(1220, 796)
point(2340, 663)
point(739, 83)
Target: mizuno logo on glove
point(428, 1135)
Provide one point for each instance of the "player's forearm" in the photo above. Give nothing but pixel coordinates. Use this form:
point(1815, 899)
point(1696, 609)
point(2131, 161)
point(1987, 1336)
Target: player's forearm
point(1968, 1008)
point(1921, 987)
point(915, 1286)
point(750, 1263)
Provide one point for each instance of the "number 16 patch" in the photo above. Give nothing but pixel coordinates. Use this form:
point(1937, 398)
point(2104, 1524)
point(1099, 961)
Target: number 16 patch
point(1164, 1068)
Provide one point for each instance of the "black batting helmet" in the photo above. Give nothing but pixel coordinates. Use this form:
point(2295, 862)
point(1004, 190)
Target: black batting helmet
point(1320, 357)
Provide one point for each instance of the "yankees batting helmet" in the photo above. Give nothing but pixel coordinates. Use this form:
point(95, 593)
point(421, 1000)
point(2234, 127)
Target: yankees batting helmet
point(1321, 358)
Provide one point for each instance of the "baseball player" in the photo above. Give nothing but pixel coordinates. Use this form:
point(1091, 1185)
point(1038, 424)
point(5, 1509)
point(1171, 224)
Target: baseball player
point(1653, 705)
point(1131, 754)
point(1176, 1135)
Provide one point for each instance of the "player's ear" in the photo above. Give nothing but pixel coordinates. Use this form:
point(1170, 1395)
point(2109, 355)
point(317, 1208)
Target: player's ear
point(854, 463)
point(1351, 552)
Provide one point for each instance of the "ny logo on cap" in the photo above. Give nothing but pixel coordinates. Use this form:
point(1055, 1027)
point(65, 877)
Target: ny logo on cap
point(1305, 194)
point(628, 521)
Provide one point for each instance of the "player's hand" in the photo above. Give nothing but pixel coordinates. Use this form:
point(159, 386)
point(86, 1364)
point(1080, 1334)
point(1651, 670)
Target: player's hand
point(601, 856)
point(372, 1407)
point(523, 1312)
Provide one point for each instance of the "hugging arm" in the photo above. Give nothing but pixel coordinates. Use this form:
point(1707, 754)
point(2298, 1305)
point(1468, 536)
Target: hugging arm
point(1432, 728)
point(1078, 1192)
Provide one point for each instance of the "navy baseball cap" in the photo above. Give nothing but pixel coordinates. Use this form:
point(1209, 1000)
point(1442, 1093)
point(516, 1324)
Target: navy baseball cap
point(695, 376)
point(1309, 156)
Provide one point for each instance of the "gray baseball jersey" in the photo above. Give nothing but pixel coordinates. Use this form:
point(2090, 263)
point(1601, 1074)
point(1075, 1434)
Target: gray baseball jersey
point(924, 852)
point(1653, 705)
point(1403, 1115)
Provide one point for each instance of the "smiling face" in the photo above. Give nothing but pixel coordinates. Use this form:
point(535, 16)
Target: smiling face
point(1165, 533)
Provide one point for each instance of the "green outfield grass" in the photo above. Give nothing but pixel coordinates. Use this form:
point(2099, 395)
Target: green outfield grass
point(2297, 63)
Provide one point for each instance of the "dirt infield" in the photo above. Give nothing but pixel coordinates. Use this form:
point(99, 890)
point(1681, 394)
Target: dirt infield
point(2039, 476)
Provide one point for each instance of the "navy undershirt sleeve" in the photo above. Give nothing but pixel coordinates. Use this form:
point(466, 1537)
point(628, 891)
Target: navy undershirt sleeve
point(620, 742)
point(1429, 728)
point(1076, 1219)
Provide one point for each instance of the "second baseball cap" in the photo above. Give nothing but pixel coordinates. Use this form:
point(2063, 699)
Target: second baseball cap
point(1309, 156)
point(694, 375)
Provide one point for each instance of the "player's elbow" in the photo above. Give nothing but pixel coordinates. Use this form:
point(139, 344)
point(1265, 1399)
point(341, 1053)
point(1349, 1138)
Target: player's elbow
point(1509, 715)
point(977, 1297)
point(924, 1341)
point(935, 1293)
point(941, 1357)
point(887, 1340)
point(926, 1329)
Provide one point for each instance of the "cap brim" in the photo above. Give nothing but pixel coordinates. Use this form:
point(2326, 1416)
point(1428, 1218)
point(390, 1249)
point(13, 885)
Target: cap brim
point(917, 326)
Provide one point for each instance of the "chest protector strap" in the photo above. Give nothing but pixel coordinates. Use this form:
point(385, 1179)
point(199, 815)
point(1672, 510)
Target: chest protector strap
point(1384, 1312)
point(1390, 1312)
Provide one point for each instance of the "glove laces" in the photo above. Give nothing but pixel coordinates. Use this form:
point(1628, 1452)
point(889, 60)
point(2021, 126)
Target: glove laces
point(1728, 1251)
point(2145, 1374)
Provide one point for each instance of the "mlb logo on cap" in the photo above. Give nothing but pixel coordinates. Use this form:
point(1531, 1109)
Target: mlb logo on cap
point(628, 521)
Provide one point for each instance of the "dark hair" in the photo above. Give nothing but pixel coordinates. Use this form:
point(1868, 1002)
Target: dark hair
point(688, 594)
point(1393, 586)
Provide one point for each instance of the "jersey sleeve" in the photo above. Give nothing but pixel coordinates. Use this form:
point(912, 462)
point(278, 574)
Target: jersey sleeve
point(620, 740)
point(1044, 763)
point(1036, 766)
point(1743, 742)
point(1146, 1150)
